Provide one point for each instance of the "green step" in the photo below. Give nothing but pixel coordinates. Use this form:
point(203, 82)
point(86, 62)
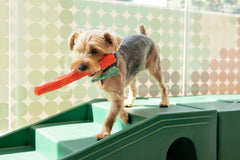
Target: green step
point(53, 140)
point(220, 106)
point(203, 98)
point(228, 98)
point(21, 153)
point(56, 141)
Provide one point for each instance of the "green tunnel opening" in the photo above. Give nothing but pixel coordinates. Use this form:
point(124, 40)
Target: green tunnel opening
point(182, 149)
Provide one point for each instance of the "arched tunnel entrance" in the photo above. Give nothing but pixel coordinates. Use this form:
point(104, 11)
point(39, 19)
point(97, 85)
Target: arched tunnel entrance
point(182, 149)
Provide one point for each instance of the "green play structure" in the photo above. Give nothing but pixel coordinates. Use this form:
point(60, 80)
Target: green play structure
point(192, 128)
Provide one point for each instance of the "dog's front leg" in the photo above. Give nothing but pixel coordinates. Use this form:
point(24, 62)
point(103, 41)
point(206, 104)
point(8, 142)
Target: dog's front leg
point(117, 106)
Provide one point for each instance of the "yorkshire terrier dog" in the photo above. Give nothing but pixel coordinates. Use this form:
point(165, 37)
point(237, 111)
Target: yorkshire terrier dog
point(134, 53)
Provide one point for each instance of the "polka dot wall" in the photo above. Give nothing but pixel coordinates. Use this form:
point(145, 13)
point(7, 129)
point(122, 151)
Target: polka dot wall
point(197, 57)
point(166, 29)
point(212, 54)
point(34, 37)
point(4, 66)
point(39, 46)
point(224, 73)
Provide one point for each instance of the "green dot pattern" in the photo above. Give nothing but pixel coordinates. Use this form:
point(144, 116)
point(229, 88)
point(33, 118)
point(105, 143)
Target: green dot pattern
point(198, 56)
point(37, 51)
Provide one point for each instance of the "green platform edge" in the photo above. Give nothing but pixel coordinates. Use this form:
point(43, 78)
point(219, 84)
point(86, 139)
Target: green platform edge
point(24, 139)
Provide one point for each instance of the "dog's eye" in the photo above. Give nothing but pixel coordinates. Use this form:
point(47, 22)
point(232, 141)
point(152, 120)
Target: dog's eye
point(94, 51)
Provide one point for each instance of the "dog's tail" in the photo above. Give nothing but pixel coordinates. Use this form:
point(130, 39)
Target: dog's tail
point(142, 29)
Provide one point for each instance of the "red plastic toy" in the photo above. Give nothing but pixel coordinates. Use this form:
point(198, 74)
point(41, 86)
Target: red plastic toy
point(71, 77)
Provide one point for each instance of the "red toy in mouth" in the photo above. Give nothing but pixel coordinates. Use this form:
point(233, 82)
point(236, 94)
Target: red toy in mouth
point(71, 77)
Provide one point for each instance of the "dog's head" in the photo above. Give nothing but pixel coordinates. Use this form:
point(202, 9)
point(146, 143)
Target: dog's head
point(90, 47)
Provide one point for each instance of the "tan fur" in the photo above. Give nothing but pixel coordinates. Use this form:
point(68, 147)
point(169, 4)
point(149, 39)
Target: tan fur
point(131, 95)
point(72, 38)
point(142, 29)
point(81, 43)
point(105, 42)
point(153, 62)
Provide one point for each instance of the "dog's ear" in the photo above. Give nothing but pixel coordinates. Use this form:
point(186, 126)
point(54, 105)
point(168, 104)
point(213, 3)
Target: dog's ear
point(108, 37)
point(72, 39)
point(112, 40)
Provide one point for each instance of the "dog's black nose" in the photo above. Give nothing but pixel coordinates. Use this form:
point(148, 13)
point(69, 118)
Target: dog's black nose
point(82, 68)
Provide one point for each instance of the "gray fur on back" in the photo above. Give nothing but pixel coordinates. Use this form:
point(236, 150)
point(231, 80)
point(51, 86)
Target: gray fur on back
point(135, 50)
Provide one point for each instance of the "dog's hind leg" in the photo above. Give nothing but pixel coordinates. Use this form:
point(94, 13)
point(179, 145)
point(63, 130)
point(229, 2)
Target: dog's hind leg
point(156, 72)
point(131, 94)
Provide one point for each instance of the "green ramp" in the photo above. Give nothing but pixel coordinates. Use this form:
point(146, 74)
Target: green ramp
point(153, 133)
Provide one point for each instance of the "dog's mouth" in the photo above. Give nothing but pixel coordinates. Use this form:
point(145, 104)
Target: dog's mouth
point(92, 74)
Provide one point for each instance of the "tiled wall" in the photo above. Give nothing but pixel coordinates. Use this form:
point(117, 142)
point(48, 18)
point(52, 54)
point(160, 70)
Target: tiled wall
point(33, 49)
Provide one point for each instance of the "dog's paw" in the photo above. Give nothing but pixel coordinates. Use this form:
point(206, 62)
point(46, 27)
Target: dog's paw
point(125, 120)
point(164, 104)
point(124, 117)
point(102, 135)
point(128, 103)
